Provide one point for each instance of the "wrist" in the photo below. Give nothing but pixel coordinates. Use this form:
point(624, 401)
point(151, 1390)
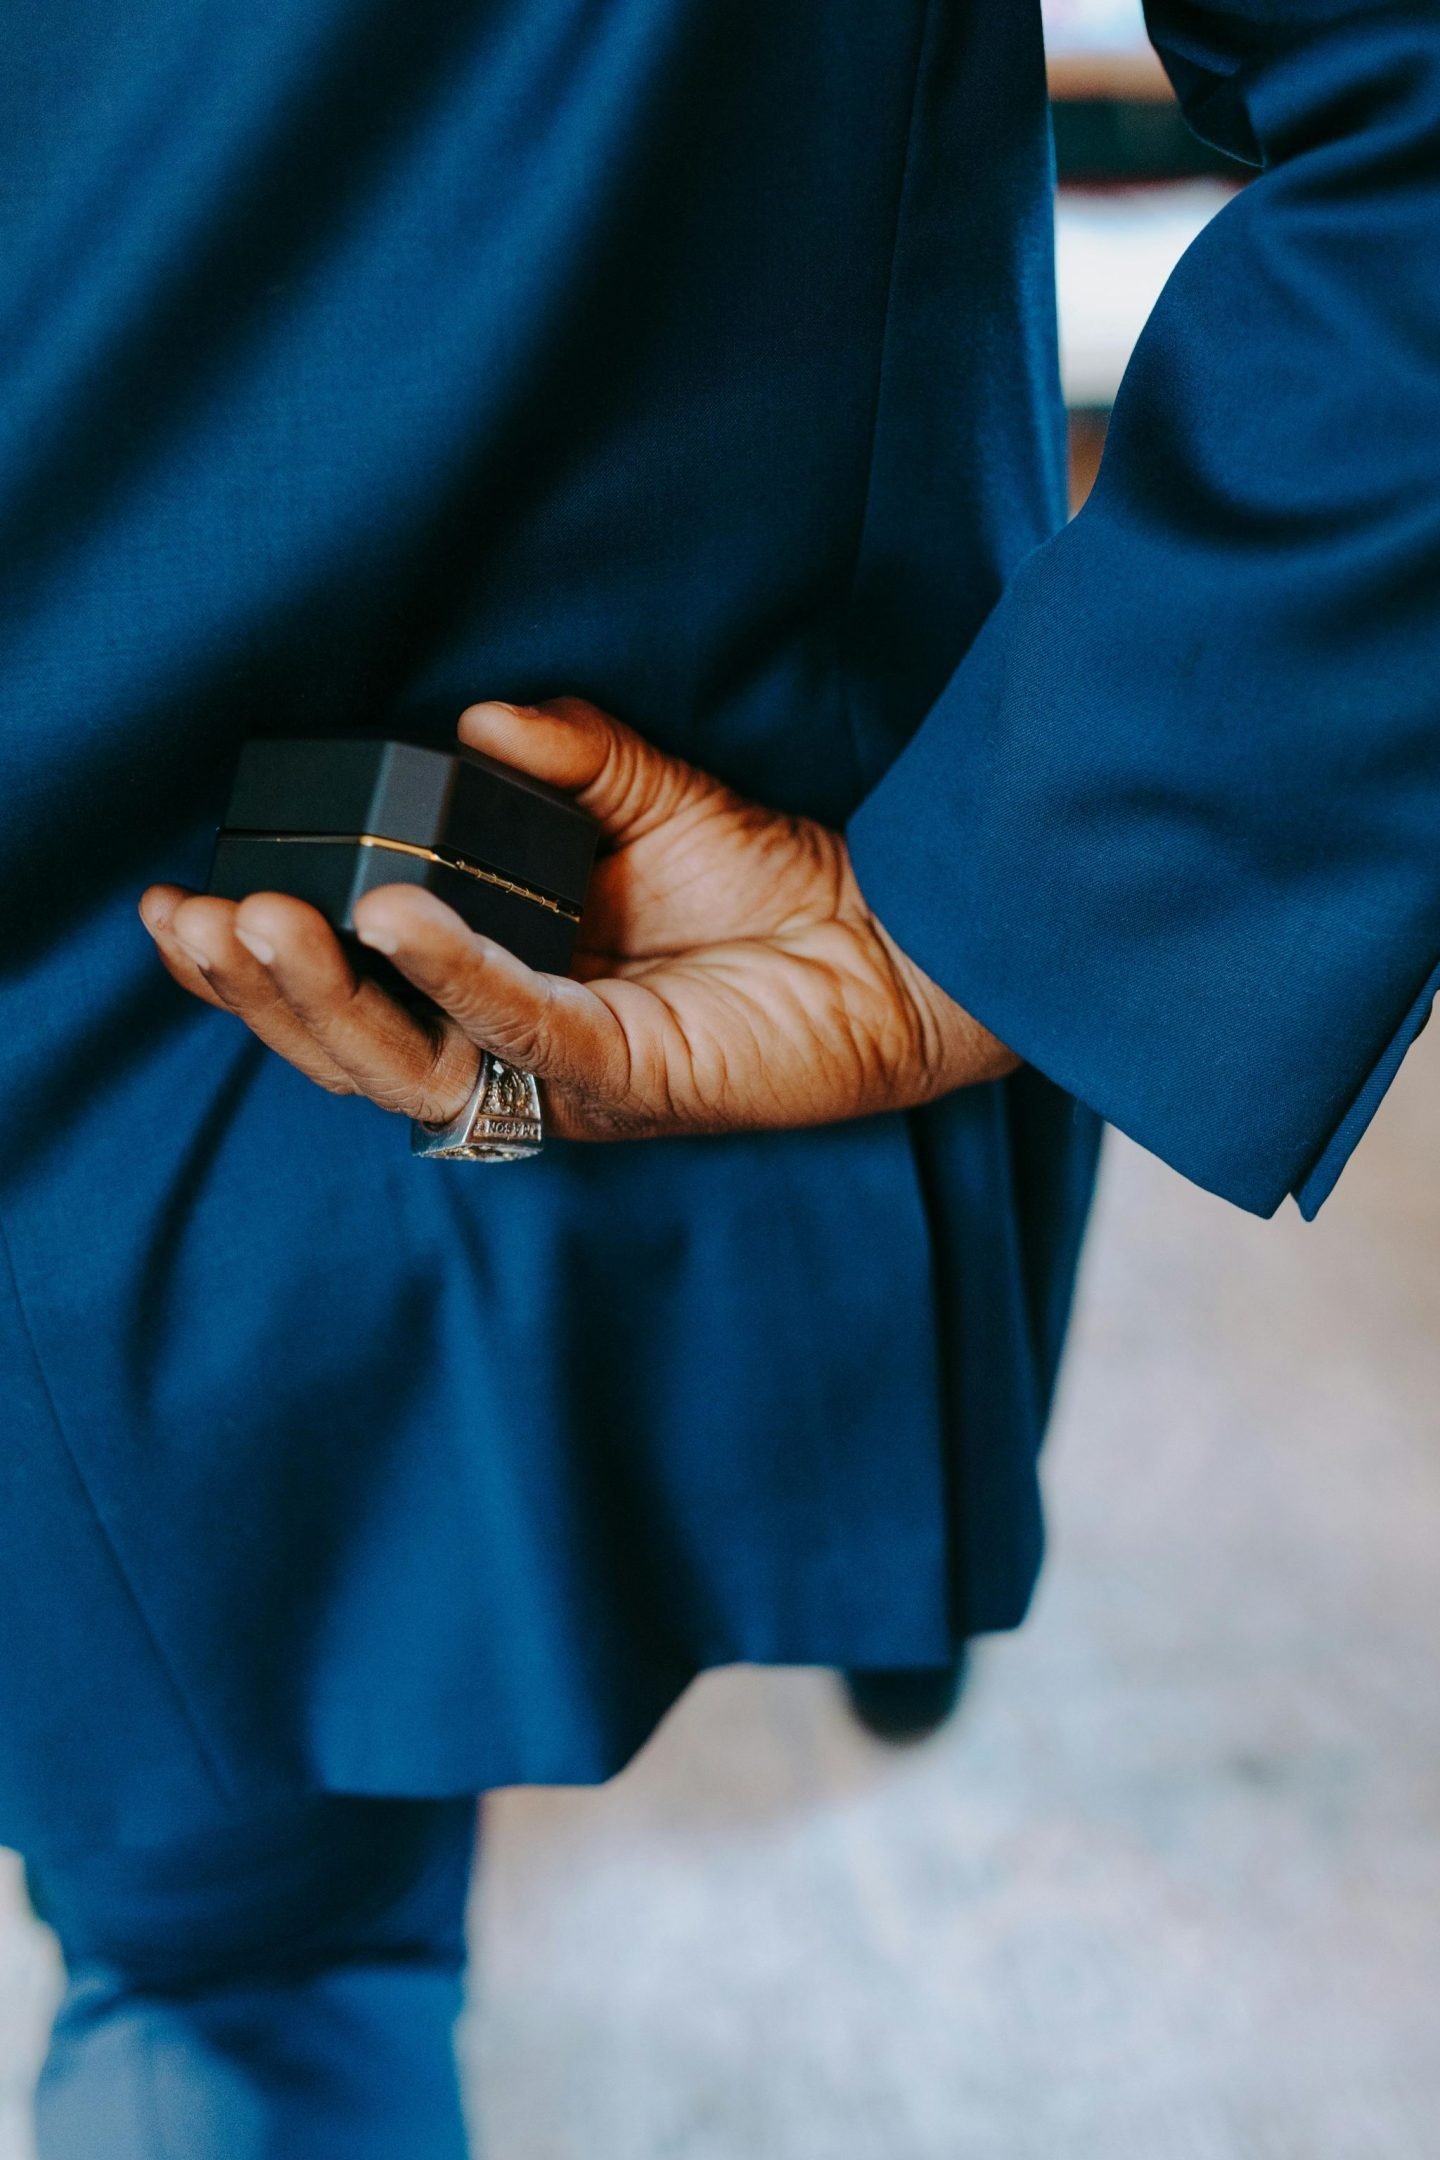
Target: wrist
point(940, 1045)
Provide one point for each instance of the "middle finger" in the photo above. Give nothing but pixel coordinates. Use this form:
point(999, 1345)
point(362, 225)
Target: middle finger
point(212, 965)
point(419, 1067)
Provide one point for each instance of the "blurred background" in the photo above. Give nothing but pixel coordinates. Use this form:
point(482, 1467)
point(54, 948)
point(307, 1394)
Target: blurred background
point(1168, 1888)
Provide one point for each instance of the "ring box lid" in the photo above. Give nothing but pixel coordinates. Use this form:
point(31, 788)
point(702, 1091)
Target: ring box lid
point(457, 800)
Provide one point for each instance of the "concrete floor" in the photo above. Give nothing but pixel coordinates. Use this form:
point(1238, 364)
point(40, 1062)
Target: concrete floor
point(1169, 1890)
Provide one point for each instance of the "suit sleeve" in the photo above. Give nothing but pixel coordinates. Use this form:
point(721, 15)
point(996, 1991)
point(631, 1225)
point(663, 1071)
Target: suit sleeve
point(1172, 830)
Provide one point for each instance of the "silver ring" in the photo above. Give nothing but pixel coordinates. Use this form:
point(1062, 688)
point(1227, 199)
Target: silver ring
point(501, 1122)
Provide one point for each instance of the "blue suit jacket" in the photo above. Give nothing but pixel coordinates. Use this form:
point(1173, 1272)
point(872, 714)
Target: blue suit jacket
point(697, 356)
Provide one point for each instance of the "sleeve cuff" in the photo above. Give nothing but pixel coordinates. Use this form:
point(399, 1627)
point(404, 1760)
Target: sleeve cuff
point(1315, 1189)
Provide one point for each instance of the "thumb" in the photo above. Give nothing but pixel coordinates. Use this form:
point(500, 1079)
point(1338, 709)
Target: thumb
point(626, 784)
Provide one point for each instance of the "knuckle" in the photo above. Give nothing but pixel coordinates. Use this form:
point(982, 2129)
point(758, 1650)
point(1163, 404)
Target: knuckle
point(444, 1081)
point(521, 1037)
point(456, 988)
point(620, 780)
point(519, 1041)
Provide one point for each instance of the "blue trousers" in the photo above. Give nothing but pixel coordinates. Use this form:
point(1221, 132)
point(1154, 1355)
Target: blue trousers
point(284, 1992)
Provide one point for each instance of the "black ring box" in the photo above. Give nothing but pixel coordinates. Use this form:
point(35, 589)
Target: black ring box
point(331, 818)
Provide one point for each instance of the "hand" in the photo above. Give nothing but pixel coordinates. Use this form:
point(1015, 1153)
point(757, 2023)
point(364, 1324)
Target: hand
point(730, 974)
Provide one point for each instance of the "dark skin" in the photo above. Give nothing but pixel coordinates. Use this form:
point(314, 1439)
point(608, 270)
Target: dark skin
point(729, 974)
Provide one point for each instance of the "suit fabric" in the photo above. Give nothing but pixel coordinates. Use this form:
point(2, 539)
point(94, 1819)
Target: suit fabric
point(289, 1985)
point(698, 358)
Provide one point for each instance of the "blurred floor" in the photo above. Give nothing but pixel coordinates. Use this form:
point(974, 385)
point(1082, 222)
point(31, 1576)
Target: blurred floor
point(1170, 1889)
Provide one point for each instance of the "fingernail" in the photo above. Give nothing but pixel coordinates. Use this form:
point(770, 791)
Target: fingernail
point(263, 950)
point(192, 952)
point(379, 941)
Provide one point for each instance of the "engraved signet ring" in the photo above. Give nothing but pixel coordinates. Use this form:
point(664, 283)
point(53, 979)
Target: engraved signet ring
point(500, 1122)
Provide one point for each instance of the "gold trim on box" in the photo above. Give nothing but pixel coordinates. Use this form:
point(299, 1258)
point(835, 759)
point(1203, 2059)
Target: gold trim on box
point(443, 856)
